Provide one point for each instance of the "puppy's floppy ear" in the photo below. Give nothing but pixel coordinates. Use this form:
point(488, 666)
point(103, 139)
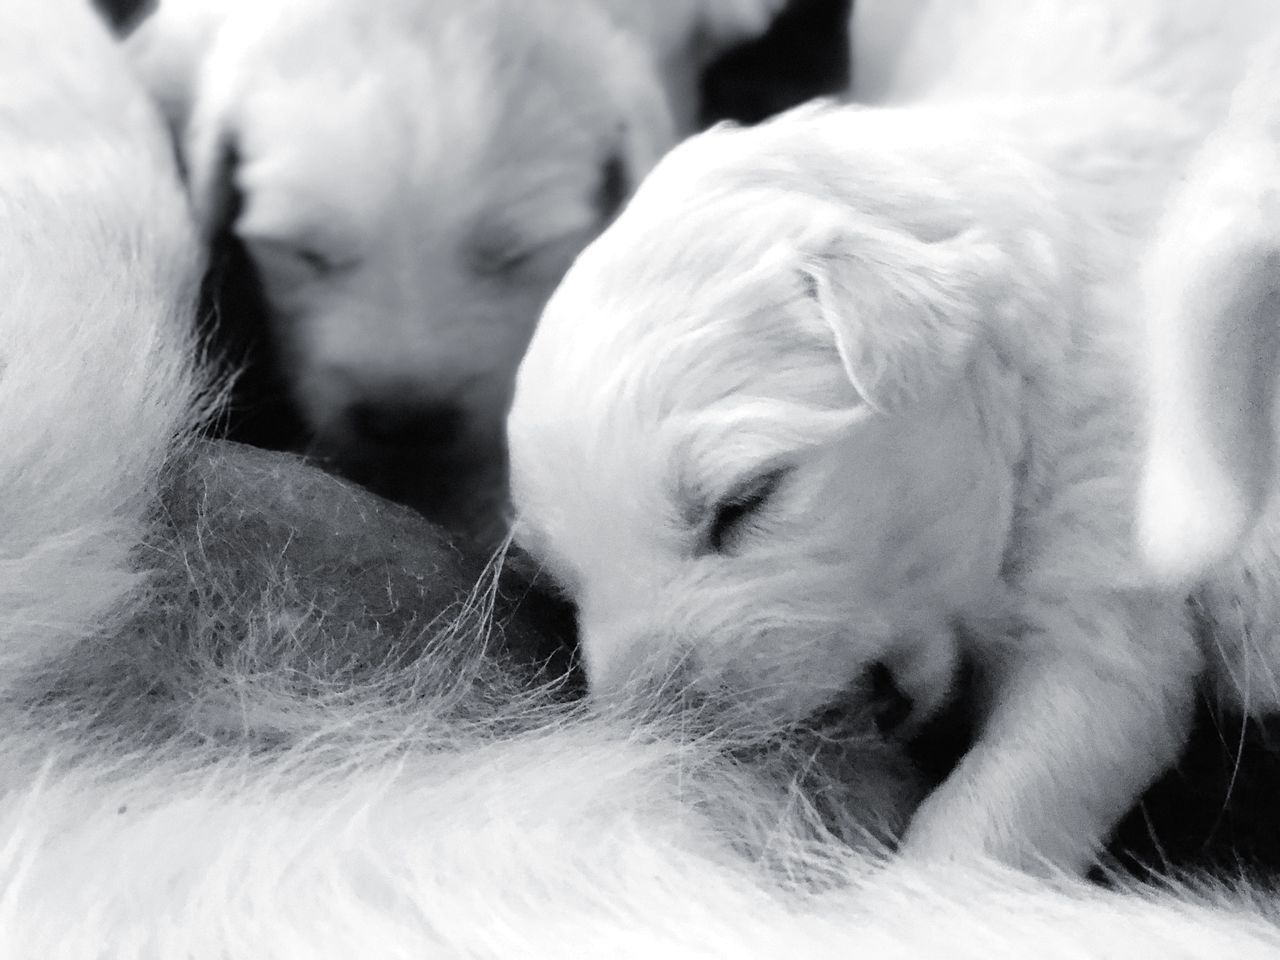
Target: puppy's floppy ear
point(906, 307)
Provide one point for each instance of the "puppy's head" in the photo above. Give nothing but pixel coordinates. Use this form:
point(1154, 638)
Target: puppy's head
point(757, 436)
point(410, 180)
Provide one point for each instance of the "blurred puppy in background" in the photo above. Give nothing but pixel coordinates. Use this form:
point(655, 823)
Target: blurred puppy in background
point(844, 402)
point(407, 180)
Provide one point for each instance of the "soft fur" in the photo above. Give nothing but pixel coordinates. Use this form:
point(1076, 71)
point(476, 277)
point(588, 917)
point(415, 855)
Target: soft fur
point(411, 178)
point(845, 401)
point(98, 274)
point(1213, 315)
point(233, 730)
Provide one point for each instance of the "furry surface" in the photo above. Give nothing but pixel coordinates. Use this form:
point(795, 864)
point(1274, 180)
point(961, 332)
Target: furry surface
point(98, 277)
point(252, 712)
point(1213, 294)
point(845, 401)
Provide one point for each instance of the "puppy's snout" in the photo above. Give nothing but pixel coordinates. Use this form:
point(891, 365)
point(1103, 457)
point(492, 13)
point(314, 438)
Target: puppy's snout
point(875, 692)
point(396, 424)
point(890, 706)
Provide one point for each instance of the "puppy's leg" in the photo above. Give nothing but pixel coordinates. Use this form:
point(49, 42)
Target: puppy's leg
point(1213, 295)
point(1090, 706)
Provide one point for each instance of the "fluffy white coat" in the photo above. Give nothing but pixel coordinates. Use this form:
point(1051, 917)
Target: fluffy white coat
point(858, 394)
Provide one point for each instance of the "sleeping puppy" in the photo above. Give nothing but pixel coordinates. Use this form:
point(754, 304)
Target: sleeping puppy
point(410, 178)
point(845, 401)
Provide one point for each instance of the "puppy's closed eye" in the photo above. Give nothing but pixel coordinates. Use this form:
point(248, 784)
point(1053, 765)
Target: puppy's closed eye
point(500, 253)
point(501, 249)
point(293, 262)
point(732, 515)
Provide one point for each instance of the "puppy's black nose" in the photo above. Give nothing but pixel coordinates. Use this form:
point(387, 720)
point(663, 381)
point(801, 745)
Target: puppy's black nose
point(890, 707)
point(405, 425)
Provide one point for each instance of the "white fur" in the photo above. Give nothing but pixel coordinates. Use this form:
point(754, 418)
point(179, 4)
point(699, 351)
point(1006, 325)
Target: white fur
point(97, 274)
point(1213, 301)
point(377, 823)
point(416, 176)
point(879, 34)
point(928, 315)
point(397, 863)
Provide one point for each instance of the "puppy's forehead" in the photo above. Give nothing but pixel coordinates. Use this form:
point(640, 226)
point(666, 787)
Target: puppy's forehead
point(418, 102)
point(479, 56)
point(675, 306)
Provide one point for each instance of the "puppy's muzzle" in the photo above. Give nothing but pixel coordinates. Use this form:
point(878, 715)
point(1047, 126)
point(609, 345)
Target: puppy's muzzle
point(876, 692)
point(401, 426)
point(890, 706)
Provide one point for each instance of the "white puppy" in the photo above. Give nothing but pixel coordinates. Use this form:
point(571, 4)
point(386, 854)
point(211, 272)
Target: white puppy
point(843, 400)
point(412, 177)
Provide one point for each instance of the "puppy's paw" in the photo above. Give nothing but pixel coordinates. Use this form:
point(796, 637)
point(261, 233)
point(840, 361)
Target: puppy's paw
point(958, 824)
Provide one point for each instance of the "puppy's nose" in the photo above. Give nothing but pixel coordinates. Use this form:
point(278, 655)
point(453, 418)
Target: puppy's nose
point(890, 706)
point(406, 425)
